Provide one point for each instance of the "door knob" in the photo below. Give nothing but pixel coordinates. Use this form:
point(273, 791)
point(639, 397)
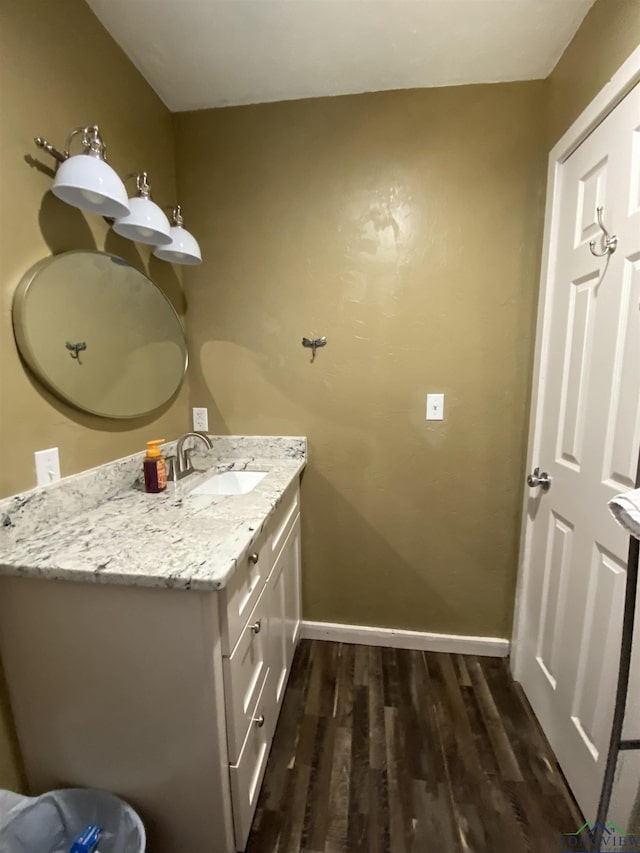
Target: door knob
point(539, 478)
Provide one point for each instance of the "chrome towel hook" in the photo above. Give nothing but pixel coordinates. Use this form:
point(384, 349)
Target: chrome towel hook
point(609, 243)
point(76, 349)
point(313, 344)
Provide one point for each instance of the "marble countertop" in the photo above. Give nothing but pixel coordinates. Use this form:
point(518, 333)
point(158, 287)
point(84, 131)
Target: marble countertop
point(172, 539)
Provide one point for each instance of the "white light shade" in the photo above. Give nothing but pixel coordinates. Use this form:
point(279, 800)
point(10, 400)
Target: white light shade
point(89, 183)
point(145, 223)
point(183, 249)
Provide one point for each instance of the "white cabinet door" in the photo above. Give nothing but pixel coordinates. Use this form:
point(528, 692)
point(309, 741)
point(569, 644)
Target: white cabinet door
point(284, 609)
point(292, 591)
point(246, 776)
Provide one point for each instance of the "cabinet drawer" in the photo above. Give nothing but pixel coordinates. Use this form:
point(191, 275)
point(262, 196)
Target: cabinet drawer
point(239, 597)
point(246, 776)
point(244, 674)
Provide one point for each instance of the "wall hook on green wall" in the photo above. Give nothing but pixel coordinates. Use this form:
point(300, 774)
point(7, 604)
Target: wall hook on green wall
point(76, 349)
point(313, 344)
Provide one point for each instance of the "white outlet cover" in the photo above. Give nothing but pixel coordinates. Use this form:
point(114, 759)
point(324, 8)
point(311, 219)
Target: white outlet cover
point(47, 466)
point(200, 420)
point(435, 407)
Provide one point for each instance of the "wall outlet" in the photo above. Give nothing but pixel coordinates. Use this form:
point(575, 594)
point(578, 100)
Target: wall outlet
point(200, 420)
point(47, 466)
point(435, 407)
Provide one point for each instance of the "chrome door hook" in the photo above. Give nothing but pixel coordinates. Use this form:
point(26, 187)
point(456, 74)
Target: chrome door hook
point(609, 242)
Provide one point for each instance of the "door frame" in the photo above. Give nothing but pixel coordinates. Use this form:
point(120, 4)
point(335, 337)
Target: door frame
point(604, 103)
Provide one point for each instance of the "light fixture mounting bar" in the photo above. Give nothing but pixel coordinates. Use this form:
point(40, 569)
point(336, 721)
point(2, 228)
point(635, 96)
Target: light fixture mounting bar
point(41, 142)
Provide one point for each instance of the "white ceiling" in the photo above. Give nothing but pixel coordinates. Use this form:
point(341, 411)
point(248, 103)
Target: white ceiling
point(211, 53)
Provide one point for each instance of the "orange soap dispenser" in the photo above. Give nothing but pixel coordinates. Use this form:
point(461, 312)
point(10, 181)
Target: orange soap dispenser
point(155, 470)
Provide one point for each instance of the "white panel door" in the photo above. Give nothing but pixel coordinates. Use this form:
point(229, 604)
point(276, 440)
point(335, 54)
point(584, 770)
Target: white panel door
point(588, 443)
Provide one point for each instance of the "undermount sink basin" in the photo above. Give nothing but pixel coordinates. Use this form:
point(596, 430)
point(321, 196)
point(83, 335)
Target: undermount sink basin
point(230, 483)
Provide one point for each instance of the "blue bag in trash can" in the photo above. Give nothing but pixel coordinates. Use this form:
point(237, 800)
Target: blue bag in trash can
point(53, 822)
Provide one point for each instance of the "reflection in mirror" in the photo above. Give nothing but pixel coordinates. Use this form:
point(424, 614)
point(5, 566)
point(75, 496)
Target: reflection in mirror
point(99, 334)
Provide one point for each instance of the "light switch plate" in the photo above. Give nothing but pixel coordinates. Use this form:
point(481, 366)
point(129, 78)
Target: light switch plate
point(435, 407)
point(200, 420)
point(47, 466)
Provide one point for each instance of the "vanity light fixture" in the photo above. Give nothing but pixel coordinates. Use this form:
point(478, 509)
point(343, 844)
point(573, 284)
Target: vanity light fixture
point(145, 222)
point(183, 248)
point(86, 180)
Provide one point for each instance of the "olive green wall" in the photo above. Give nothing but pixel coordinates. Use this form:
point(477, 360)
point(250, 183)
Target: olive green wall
point(11, 777)
point(58, 69)
point(405, 226)
point(608, 35)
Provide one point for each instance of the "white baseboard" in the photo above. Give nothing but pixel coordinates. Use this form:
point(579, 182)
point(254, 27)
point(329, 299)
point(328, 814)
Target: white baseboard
point(398, 639)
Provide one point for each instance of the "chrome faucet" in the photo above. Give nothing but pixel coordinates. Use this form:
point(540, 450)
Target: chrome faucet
point(182, 460)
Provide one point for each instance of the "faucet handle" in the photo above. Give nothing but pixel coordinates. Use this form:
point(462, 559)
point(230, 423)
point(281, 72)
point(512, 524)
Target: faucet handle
point(184, 463)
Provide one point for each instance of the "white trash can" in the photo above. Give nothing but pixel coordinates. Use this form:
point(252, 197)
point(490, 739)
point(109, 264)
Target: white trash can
point(52, 822)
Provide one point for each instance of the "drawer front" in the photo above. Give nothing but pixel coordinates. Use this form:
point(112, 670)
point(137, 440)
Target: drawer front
point(239, 597)
point(283, 520)
point(244, 674)
point(246, 776)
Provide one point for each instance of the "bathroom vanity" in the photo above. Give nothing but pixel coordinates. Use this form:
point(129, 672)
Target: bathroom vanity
point(147, 640)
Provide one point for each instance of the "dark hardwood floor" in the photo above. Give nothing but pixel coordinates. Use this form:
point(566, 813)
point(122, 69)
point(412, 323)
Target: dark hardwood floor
point(408, 752)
